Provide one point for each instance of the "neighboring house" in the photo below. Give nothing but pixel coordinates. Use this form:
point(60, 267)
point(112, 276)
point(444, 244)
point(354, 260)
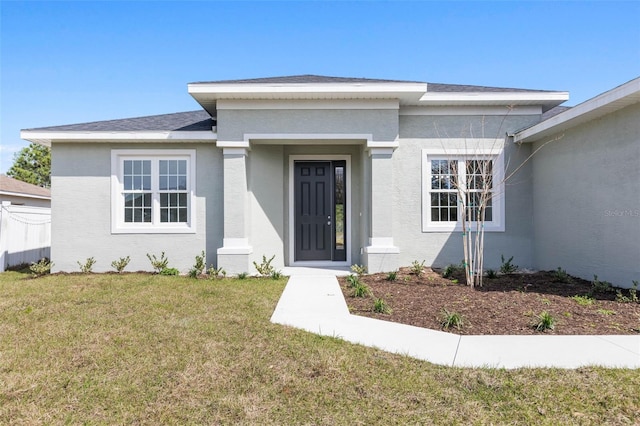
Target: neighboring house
point(21, 193)
point(25, 222)
point(315, 170)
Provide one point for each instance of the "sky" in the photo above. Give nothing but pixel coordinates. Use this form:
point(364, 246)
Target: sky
point(73, 62)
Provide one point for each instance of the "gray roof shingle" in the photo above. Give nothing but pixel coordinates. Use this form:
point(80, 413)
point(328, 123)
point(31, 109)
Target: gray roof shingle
point(315, 79)
point(182, 121)
point(554, 111)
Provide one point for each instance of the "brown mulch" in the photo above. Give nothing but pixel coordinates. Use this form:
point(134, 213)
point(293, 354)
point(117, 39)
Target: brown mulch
point(508, 304)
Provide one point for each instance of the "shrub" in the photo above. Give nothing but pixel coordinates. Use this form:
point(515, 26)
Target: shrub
point(359, 269)
point(169, 271)
point(449, 270)
point(241, 275)
point(381, 307)
point(87, 266)
point(451, 319)
point(158, 264)
point(417, 268)
point(361, 290)
point(507, 267)
point(41, 267)
point(276, 275)
point(392, 276)
point(561, 276)
point(492, 273)
point(598, 286)
point(265, 269)
point(199, 266)
point(217, 273)
point(120, 264)
point(353, 280)
point(633, 294)
point(545, 321)
point(583, 300)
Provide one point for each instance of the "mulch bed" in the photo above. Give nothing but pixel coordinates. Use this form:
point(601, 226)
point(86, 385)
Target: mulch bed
point(508, 304)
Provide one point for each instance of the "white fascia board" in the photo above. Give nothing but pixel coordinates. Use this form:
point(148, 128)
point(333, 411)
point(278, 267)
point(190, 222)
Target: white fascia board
point(465, 110)
point(305, 88)
point(506, 98)
point(46, 137)
point(24, 195)
point(305, 104)
point(593, 108)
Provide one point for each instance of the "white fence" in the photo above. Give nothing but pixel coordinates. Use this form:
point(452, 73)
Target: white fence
point(25, 234)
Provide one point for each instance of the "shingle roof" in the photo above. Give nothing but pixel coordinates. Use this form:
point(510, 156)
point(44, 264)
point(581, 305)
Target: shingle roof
point(182, 121)
point(554, 111)
point(8, 184)
point(303, 79)
point(319, 79)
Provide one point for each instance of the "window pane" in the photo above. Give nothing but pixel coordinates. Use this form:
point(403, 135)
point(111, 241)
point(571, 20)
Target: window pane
point(164, 169)
point(128, 167)
point(182, 167)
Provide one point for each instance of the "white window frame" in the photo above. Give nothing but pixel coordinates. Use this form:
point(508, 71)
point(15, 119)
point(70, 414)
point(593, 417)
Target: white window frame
point(497, 224)
point(118, 225)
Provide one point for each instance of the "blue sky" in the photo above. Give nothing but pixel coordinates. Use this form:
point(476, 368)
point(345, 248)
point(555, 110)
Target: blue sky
point(71, 62)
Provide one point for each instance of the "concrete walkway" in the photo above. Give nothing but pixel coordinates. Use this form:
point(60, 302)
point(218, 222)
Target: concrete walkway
point(313, 301)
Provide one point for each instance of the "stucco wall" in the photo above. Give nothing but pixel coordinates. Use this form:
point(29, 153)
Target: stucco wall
point(81, 210)
point(381, 124)
point(443, 248)
point(586, 199)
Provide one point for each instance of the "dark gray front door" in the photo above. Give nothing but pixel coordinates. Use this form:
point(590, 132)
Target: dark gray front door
point(313, 210)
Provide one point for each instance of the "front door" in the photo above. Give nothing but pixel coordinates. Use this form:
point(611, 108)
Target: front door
point(319, 200)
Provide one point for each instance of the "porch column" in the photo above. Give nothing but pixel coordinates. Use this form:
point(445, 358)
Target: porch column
point(381, 255)
point(234, 255)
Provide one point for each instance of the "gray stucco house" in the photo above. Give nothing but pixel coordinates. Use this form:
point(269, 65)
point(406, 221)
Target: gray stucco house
point(336, 171)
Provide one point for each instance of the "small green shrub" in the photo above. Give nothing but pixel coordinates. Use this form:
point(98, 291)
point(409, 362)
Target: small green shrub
point(241, 275)
point(606, 312)
point(507, 267)
point(449, 270)
point(276, 275)
point(169, 271)
point(417, 268)
point(199, 266)
point(87, 266)
point(120, 264)
point(381, 307)
point(598, 286)
point(159, 264)
point(353, 280)
point(218, 273)
point(359, 269)
point(583, 300)
point(264, 268)
point(492, 273)
point(392, 276)
point(561, 276)
point(544, 321)
point(451, 319)
point(361, 290)
point(41, 267)
point(633, 294)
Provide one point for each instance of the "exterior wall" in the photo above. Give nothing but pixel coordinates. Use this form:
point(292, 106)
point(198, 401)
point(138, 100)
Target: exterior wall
point(25, 201)
point(586, 202)
point(442, 248)
point(81, 210)
point(234, 124)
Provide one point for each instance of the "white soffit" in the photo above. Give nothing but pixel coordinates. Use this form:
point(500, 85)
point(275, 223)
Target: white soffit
point(603, 104)
point(547, 99)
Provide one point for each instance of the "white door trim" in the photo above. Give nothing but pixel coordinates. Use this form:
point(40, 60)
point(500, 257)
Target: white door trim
point(292, 242)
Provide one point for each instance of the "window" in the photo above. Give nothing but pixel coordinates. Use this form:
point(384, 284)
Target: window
point(480, 178)
point(153, 191)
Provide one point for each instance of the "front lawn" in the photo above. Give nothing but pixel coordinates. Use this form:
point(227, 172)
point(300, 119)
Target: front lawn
point(136, 348)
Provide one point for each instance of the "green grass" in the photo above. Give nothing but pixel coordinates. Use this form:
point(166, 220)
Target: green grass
point(123, 349)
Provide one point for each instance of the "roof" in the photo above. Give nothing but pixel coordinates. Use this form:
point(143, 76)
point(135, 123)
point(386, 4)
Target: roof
point(599, 106)
point(321, 79)
point(179, 121)
point(15, 187)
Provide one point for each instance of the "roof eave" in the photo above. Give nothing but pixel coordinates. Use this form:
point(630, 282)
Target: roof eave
point(25, 195)
point(547, 100)
point(47, 137)
point(605, 103)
